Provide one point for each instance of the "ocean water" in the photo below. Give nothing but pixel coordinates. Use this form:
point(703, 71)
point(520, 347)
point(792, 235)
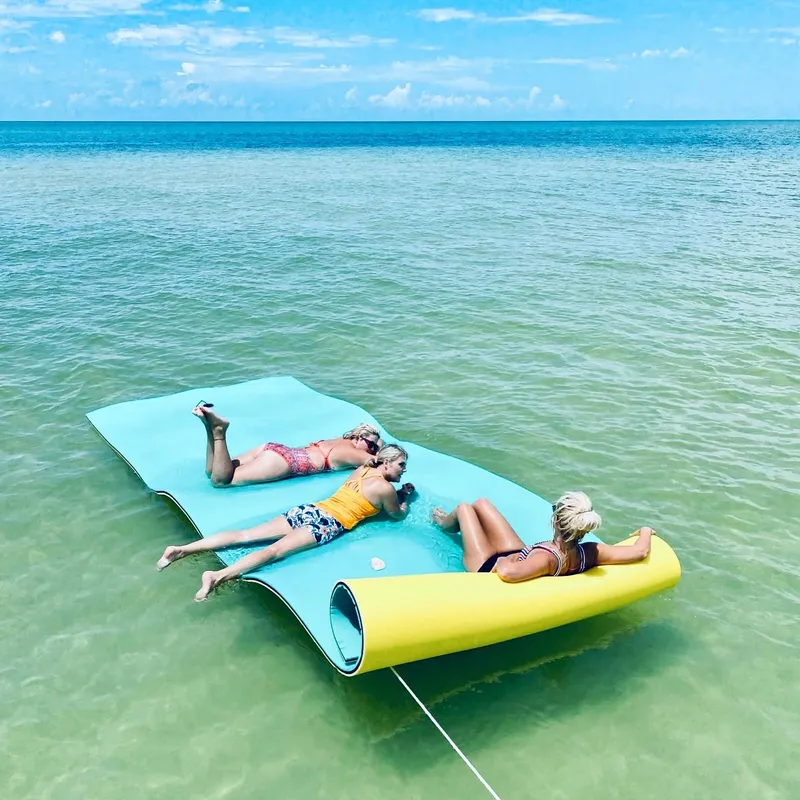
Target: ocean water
point(614, 308)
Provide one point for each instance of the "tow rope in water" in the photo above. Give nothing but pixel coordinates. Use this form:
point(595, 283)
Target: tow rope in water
point(444, 733)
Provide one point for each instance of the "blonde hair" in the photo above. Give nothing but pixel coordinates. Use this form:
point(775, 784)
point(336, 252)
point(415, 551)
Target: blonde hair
point(573, 518)
point(387, 454)
point(362, 430)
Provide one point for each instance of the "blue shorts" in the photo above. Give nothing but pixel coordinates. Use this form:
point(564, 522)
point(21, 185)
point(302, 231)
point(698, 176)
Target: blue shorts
point(324, 527)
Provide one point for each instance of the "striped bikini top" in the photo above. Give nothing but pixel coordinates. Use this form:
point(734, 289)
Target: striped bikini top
point(562, 563)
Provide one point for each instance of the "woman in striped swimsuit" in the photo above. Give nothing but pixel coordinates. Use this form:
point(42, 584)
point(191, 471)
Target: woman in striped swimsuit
point(491, 544)
point(274, 461)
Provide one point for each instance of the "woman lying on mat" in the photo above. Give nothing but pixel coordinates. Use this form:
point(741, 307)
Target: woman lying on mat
point(491, 544)
point(273, 461)
point(365, 493)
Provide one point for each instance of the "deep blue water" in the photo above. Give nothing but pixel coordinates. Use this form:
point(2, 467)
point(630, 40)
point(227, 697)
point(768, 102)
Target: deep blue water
point(698, 138)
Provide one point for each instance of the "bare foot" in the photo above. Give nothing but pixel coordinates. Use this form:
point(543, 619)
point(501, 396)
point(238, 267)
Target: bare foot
point(217, 424)
point(170, 554)
point(439, 517)
point(198, 412)
point(207, 584)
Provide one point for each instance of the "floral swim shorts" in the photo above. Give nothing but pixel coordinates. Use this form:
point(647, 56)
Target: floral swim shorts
point(324, 527)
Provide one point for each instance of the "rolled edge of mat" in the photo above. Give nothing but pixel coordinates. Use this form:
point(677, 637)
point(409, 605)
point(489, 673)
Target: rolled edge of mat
point(383, 622)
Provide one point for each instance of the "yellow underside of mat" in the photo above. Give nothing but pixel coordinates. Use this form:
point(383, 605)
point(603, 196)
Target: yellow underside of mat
point(408, 618)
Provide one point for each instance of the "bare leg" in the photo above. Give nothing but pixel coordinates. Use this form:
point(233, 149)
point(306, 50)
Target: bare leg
point(222, 465)
point(273, 529)
point(502, 537)
point(297, 539)
point(477, 548)
point(209, 440)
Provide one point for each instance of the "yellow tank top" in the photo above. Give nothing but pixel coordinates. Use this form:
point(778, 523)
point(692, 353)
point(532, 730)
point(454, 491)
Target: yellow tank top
point(348, 504)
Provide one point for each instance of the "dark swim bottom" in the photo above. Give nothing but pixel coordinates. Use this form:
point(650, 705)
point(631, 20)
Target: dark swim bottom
point(488, 565)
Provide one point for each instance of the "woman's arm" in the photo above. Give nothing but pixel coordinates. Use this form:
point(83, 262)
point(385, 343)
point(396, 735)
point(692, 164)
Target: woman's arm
point(512, 570)
point(391, 504)
point(626, 554)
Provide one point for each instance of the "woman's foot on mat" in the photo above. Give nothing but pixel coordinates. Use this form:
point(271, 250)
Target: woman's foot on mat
point(214, 421)
point(207, 584)
point(171, 554)
point(439, 517)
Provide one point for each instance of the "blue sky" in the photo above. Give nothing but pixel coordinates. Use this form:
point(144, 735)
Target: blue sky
point(507, 59)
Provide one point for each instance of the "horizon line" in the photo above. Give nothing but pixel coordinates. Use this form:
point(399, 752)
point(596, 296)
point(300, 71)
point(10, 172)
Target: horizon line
point(384, 122)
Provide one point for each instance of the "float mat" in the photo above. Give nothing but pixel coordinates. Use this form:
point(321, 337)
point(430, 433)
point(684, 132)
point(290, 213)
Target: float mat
point(422, 604)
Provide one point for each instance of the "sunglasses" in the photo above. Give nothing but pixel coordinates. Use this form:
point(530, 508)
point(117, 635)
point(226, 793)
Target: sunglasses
point(372, 447)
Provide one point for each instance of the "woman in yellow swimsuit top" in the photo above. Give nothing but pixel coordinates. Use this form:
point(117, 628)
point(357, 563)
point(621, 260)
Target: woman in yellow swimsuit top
point(367, 492)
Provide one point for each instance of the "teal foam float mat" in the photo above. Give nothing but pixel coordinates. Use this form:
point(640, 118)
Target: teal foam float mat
point(165, 445)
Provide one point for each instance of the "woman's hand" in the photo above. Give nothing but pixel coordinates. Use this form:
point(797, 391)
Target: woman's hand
point(404, 492)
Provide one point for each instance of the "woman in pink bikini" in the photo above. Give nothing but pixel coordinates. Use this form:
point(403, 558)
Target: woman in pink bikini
point(492, 545)
point(274, 462)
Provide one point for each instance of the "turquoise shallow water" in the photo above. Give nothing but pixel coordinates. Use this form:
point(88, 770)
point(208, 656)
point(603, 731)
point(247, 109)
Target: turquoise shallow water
point(605, 307)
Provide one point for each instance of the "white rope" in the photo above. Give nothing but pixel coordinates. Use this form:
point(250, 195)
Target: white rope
point(444, 733)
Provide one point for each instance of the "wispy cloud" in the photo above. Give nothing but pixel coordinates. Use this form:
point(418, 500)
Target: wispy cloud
point(191, 36)
point(546, 16)
point(12, 26)
point(269, 68)
point(73, 8)
point(308, 39)
point(450, 71)
point(402, 98)
point(599, 64)
point(211, 7)
point(679, 52)
point(437, 101)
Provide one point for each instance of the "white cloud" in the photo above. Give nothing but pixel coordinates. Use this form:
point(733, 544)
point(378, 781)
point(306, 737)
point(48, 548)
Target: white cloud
point(467, 83)
point(75, 98)
point(313, 40)
point(270, 68)
point(557, 103)
point(680, 52)
point(444, 14)
point(546, 16)
point(14, 50)
point(444, 71)
point(211, 7)
point(187, 68)
point(12, 26)
point(600, 64)
point(183, 35)
point(533, 94)
point(73, 8)
point(788, 31)
point(58, 37)
point(351, 95)
point(552, 16)
point(396, 98)
point(190, 95)
point(44, 104)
